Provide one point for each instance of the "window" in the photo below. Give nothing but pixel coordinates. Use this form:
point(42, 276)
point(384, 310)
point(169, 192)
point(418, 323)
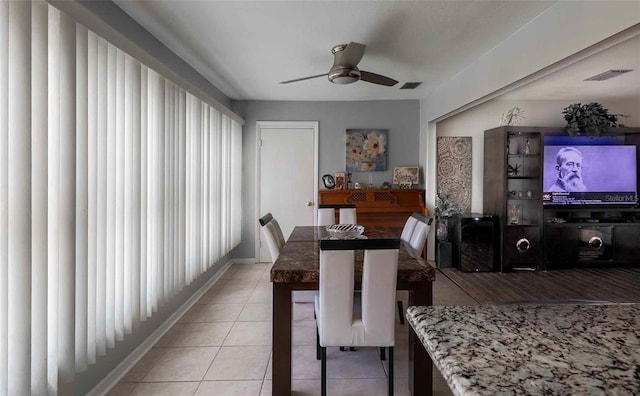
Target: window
point(117, 189)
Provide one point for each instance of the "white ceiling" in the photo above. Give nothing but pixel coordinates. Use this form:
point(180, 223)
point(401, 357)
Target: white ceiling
point(568, 83)
point(245, 48)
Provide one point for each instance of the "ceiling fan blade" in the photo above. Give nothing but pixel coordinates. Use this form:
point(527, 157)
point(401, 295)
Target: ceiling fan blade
point(377, 78)
point(303, 78)
point(351, 55)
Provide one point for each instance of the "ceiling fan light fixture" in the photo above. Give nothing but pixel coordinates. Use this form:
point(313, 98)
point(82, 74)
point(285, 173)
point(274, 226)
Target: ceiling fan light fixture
point(344, 75)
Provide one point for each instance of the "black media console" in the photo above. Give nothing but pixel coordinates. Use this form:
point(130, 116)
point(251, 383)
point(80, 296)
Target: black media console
point(591, 237)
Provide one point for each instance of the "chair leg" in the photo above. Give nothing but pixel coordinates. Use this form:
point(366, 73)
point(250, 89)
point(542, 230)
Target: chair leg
point(323, 371)
point(400, 312)
point(390, 371)
point(382, 350)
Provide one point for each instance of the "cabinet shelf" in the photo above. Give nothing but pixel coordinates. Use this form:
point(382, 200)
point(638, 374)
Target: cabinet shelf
point(522, 177)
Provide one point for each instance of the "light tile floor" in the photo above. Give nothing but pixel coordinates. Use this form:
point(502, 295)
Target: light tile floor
point(222, 346)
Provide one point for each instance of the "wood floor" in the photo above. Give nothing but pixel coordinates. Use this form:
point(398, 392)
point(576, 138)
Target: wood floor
point(606, 284)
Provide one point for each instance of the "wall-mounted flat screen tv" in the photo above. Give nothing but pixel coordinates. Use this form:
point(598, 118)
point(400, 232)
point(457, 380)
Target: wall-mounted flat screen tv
point(589, 172)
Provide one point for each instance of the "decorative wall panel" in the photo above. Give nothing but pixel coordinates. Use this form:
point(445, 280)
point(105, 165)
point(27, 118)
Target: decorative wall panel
point(454, 171)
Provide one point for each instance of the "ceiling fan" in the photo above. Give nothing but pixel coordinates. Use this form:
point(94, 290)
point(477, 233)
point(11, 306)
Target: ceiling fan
point(345, 69)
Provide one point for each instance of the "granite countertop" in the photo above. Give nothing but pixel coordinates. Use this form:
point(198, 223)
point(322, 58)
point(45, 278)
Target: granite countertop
point(557, 349)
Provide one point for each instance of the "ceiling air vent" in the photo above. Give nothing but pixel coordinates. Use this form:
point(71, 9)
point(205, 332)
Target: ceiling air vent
point(410, 85)
point(608, 74)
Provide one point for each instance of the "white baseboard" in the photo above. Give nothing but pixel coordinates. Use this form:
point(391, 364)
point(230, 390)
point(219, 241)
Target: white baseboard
point(245, 261)
point(112, 379)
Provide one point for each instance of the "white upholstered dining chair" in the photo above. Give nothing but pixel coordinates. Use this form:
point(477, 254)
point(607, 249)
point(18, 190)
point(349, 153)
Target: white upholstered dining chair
point(408, 228)
point(417, 238)
point(370, 321)
point(275, 242)
point(326, 215)
point(272, 234)
point(348, 214)
point(420, 233)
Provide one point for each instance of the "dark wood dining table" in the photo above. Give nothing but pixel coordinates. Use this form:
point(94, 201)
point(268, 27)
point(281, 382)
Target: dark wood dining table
point(297, 268)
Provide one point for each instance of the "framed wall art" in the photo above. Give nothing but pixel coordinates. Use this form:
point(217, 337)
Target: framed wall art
point(367, 150)
point(405, 176)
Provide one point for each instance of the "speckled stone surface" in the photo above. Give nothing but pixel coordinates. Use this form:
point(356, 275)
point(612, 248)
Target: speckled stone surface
point(311, 233)
point(299, 261)
point(558, 349)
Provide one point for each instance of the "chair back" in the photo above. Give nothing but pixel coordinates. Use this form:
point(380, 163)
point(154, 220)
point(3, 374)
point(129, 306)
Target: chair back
point(270, 236)
point(339, 324)
point(273, 235)
point(278, 231)
point(326, 216)
point(409, 226)
point(348, 215)
point(420, 232)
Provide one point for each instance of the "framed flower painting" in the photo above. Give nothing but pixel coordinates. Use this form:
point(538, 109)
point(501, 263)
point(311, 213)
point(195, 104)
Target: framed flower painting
point(367, 150)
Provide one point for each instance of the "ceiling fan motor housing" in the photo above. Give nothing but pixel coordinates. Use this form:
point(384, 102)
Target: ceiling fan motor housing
point(343, 74)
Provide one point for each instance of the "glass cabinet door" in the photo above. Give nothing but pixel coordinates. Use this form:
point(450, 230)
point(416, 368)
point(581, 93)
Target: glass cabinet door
point(523, 179)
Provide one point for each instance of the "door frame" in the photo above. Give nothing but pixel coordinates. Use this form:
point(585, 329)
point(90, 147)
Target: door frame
point(260, 125)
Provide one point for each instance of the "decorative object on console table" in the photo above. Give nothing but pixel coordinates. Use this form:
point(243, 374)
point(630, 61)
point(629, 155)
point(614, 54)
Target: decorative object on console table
point(339, 176)
point(405, 175)
point(328, 181)
point(367, 150)
point(378, 207)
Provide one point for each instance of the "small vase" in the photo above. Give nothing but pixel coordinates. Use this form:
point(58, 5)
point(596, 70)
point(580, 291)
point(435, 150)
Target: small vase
point(527, 148)
point(442, 230)
point(514, 214)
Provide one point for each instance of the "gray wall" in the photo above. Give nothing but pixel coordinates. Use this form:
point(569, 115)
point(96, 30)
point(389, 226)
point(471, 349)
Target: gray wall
point(400, 117)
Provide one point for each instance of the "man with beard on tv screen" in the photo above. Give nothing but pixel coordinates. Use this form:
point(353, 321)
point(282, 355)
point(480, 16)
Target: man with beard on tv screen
point(569, 167)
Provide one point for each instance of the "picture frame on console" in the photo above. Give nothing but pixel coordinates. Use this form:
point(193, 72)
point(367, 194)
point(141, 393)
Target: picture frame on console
point(405, 176)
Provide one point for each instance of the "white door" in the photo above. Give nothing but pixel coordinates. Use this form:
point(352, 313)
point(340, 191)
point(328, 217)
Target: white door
point(287, 173)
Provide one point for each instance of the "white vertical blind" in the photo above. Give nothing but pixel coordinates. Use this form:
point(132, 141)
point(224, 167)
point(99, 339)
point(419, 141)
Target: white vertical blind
point(39, 45)
point(82, 199)
point(117, 189)
point(19, 199)
point(4, 192)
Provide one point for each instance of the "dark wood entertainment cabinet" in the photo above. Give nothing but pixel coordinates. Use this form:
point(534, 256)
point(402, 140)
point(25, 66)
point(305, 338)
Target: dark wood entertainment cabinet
point(531, 237)
point(591, 238)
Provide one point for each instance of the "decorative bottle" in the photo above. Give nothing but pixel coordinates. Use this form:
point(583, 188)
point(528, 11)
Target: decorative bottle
point(527, 147)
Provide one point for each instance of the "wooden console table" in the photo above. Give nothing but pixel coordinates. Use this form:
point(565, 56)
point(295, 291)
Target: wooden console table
point(379, 207)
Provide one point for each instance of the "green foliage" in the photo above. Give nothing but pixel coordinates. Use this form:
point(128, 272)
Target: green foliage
point(444, 207)
point(589, 119)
